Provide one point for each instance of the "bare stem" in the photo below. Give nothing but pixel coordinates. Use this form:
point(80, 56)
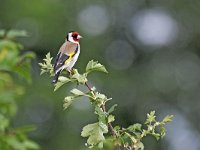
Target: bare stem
point(86, 83)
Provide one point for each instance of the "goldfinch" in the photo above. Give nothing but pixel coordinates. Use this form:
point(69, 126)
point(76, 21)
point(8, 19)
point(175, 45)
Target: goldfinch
point(67, 55)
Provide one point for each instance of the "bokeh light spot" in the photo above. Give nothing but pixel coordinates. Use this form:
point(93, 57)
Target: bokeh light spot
point(120, 55)
point(188, 71)
point(154, 27)
point(93, 20)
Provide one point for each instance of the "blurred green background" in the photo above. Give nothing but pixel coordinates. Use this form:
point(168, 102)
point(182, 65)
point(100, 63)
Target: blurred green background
point(151, 49)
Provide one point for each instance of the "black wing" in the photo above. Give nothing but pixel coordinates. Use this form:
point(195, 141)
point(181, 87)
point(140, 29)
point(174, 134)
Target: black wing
point(60, 61)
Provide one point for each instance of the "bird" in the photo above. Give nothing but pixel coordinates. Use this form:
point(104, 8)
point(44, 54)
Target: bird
point(67, 54)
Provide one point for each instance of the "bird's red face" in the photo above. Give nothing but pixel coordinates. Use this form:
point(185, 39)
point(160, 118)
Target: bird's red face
point(74, 37)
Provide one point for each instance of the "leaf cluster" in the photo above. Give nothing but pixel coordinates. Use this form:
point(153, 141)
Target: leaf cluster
point(12, 58)
point(12, 62)
point(97, 134)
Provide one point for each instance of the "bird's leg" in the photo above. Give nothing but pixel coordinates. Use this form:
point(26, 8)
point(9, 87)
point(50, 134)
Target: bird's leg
point(71, 72)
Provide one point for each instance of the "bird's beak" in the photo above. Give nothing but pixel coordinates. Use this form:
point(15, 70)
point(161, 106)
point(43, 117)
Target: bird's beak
point(79, 37)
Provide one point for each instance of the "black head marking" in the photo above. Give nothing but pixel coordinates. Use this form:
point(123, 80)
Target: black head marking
point(67, 37)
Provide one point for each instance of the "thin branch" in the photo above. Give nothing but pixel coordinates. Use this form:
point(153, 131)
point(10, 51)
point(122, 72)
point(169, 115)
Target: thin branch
point(86, 83)
point(104, 110)
point(109, 124)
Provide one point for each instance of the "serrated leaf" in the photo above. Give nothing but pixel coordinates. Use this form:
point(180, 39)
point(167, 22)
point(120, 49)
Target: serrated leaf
point(168, 118)
point(150, 117)
point(46, 66)
point(116, 127)
point(77, 92)
point(104, 127)
point(139, 146)
point(95, 66)
point(102, 115)
point(132, 138)
point(100, 96)
point(111, 118)
point(61, 81)
point(156, 135)
point(162, 132)
point(88, 129)
point(42, 71)
point(81, 78)
point(94, 132)
point(68, 101)
point(48, 57)
point(135, 127)
point(112, 108)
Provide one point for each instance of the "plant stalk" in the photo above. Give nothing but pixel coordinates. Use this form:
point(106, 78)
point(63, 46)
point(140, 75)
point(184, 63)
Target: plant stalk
point(104, 110)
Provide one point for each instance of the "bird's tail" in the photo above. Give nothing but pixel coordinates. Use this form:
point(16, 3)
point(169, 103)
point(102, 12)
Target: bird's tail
point(55, 78)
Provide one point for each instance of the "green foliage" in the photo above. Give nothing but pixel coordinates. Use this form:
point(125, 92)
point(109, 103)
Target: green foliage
point(97, 133)
point(95, 66)
point(47, 67)
point(12, 63)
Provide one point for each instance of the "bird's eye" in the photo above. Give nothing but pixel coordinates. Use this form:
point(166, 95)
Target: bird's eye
point(75, 35)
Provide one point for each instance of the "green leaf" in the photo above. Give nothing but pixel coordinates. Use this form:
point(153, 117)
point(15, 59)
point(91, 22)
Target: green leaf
point(4, 122)
point(100, 145)
point(30, 145)
point(162, 132)
point(135, 127)
point(111, 118)
point(102, 115)
point(61, 81)
point(150, 117)
point(16, 33)
point(23, 69)
point(104, 127)
point(112, 108)
point(47, 67)
point(2, 33)
point(88, 129)
point(116, 128)
point(94, 132)
point(139, 146)
point(81, 78)
point(23, 66)
point(15, 143)
point(68, 101)
point(95, 66)
point(168, 118)
point(100, 96)
point(28, 55)
point(77, 92)
point(156, 135)
point(25, 129)
point(9, 55)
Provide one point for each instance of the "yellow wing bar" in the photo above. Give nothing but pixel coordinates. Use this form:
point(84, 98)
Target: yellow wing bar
point(70, 57)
